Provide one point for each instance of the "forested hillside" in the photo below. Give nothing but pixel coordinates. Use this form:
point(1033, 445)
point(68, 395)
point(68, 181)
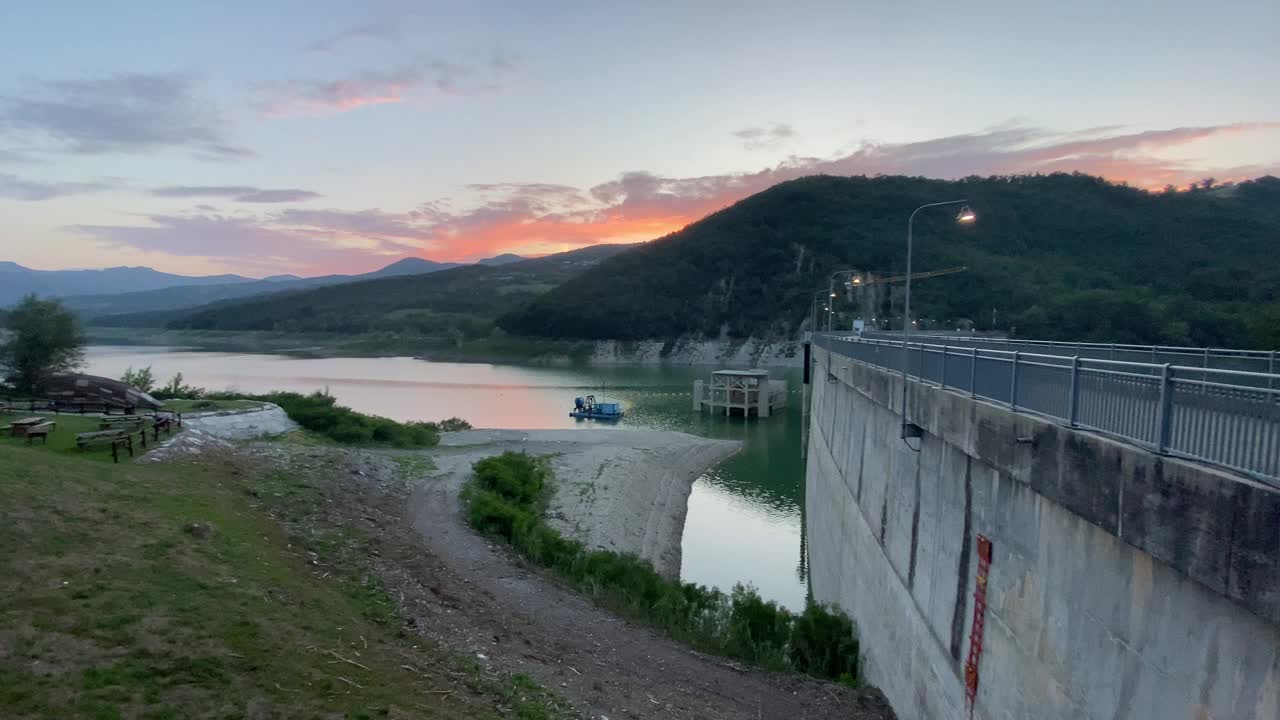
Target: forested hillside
point(1058, 256)
point(460, 302)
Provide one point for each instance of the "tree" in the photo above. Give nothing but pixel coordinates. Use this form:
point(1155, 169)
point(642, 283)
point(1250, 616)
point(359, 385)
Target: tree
point(44, 338)
point(1266, 327)
point(176, 388)
point(140, 379)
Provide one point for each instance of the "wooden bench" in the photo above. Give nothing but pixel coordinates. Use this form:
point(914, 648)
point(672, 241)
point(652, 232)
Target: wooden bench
point(40, 431)
point(132, 422)
point(117, 438)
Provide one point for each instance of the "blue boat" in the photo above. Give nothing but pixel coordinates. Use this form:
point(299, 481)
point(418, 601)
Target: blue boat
point(588, 409)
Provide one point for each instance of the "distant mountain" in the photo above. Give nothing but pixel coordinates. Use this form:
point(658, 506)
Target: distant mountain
point(503, 259)
point(457, 302)
point(409, 266)
point(1060, 256)
point(19, 281)
point(168, 300)
point(140, 289)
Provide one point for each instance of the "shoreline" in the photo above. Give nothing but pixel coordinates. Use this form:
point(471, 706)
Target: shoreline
point(625, 491)
point(747, 352)
point(621, 490)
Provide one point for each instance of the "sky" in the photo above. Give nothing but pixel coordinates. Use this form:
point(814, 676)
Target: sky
point(203, 137)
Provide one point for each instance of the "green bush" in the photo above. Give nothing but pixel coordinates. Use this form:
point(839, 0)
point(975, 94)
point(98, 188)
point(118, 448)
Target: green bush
point(824, 644)
point(320, 413)
point(176, 389)
point(506, 499)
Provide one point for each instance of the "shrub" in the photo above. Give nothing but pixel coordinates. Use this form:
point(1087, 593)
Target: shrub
point(318, 412)
point(759, 631)
point(506, 499)
point(177, 389)
point(824, 643)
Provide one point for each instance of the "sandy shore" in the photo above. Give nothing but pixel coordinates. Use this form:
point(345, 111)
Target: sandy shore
point(621, 490)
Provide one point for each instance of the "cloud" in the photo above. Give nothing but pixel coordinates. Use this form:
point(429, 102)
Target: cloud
point(244, 242)
point(16, 188)
point(537, 218)
point(238, 193)
point(375, 32)
point(127, 113)
point(393, 231)
point(382, 87)
point(15, 157)
point(766, 137)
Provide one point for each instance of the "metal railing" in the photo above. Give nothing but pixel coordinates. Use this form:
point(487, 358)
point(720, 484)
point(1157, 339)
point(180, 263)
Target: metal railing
point(1224, 417)
point(1255, 361)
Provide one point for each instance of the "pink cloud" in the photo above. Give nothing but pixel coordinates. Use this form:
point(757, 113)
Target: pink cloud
point(382, 87)
point(540, 218)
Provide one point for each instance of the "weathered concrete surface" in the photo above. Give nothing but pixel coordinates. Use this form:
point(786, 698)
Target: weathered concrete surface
point(248, 424)
point(1123, 585)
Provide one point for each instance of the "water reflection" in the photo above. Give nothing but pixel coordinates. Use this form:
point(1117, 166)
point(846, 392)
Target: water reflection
point(744, 515)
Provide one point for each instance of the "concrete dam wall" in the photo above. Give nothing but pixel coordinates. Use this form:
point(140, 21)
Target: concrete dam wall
point(1122, 584)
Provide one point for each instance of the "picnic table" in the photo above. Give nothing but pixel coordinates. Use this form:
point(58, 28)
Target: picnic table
point(40, 430)
point(18, 428)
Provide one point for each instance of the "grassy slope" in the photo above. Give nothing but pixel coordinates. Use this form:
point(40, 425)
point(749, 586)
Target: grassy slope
point(111, 606)
point(63, 439)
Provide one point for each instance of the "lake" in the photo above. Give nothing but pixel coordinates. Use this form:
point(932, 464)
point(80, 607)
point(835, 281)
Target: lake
point(744, 521)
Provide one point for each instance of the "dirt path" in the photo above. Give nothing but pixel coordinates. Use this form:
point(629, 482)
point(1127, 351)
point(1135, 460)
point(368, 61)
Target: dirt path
point(482, 600)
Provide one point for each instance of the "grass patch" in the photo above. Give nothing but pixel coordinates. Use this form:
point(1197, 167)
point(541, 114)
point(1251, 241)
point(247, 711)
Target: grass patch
point(507, 498)
point(171, 591)
point(63, 438)
point(413, 467)
point(210, 405)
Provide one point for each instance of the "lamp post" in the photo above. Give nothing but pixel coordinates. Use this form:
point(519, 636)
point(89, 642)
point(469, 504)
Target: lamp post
point(813, 310)
point(909, 429)
point(831, 291)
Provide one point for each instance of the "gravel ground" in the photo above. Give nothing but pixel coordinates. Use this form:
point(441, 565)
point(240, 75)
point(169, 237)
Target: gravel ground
point(480, 600)
point(620, 490)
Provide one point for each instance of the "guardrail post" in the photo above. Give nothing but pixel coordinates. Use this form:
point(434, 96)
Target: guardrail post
point(1271, 370)
point(1013, 384)
point(943, 382)
point(1074, 409)
point(1164, 420)
point(973, 372)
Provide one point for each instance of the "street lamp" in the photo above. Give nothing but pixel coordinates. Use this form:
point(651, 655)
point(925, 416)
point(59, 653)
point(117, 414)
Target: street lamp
point(966, 215)
point(831, 288)
point(815, 306)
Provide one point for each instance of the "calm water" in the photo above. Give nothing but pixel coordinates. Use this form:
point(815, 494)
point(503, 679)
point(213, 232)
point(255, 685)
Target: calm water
point(744, 515)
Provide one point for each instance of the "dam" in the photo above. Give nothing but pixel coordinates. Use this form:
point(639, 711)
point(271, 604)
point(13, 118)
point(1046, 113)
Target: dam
point(1025, 553)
